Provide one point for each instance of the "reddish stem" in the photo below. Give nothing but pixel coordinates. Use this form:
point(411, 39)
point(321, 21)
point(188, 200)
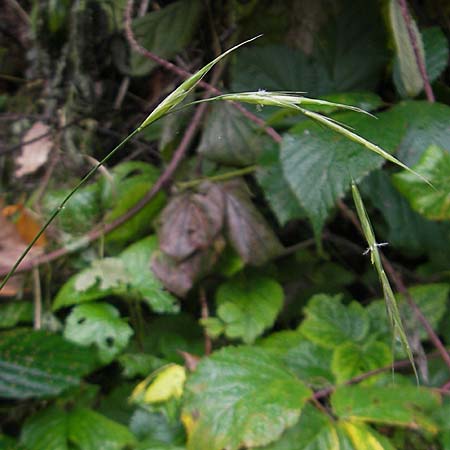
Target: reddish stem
point(400, 287)
point(420, 62)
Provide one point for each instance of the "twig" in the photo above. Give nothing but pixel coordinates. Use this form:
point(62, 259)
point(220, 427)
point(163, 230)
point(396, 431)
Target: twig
point(160, 183)
point(20, 11)
point(396, 365)
point(205, 315)
point(185, 74)
point(400, 286)
point(420, 62)
point(124, 85)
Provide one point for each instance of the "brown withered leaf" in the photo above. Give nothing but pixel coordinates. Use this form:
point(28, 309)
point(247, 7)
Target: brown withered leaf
point(248, 231)
point(179, 276)
point(191, 221)
point(11, 247)
point(35, 154)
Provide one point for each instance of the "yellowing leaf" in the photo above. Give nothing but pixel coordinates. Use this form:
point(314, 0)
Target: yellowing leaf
point(363, 438)
point(166, 384)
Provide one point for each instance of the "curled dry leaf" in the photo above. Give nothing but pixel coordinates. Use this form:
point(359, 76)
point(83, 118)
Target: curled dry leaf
point(12, 245)
point(35, 154)
point(179, 277)
point(248, 231)
point(191, 221)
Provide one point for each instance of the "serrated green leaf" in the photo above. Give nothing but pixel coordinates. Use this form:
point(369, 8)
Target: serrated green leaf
point(247, 305)
point(99, 324)
point(228, 139)
point(350, 359)
point(128, 275)
point(320, 165)
point(40, 364)
point(151, 32)
point(353, 33)
point(421, 124)
point(408, 66)
point(240, 397)
point(137, 258)
point(329, 323)
point(276, 190)
point(314, 431)
point(434, 204)
point(309, 361)
point(15, 312)
point(407, 406)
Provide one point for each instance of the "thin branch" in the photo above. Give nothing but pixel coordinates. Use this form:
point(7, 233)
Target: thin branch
point(400, 287)
point(420, 62)
point(396, 365)
point(185, 74)
point(160, 183)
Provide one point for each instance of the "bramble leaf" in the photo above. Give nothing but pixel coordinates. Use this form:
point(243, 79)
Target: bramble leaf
point(407, 406)
point(350, 359)
point(99, 324)
point(240, 396)
point(40, 364)
point(247, 305)
point(434, 204)
point(329, 323)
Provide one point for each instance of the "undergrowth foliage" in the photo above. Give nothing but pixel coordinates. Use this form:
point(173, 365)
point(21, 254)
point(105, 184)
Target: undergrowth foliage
point(238, 296)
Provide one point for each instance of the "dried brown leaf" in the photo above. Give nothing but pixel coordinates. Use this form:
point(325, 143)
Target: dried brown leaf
point(191, 221)
point(248, 231)
point(11, 247)
point(179, 276)
point(35, 154)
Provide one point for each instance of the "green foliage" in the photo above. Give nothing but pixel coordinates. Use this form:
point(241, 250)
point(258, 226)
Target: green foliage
point(246, 306)
point(40, 364)
point(228, 139)
point(241, 396)
point(433, 204)
point(135, 341)
point(99, 324)
point(130, 182)
point(329, 323)
point(14, 313)
point(180, 17)
point(128, 276)
point(80, 427)
point(399, 405)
